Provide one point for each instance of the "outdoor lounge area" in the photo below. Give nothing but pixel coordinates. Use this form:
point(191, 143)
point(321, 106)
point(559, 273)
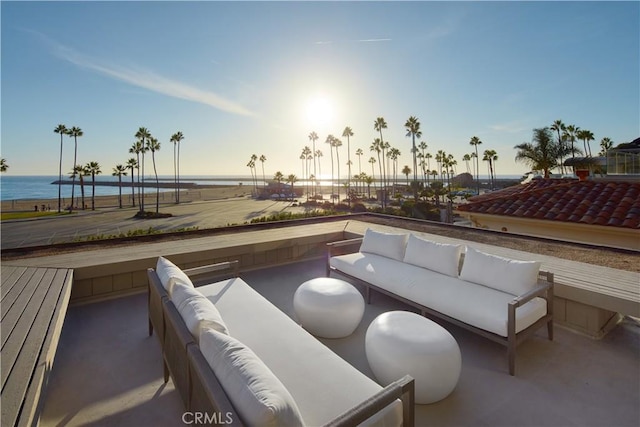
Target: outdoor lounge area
point(108, 370)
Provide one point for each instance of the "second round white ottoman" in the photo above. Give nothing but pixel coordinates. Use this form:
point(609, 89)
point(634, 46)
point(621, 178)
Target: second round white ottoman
point(402, 343)
point(328, 307)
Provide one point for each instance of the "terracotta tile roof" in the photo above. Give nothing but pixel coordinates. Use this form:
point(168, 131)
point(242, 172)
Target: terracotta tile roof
point(610, 203)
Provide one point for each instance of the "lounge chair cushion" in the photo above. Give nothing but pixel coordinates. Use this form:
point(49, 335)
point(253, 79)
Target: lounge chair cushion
point(196, 310)
point(385, 244)
point(167, 271)
point(507, 275)
point(257, 394)
point(439, 257)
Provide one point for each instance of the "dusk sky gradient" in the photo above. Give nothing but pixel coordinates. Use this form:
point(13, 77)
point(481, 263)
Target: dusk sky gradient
point(238, 78)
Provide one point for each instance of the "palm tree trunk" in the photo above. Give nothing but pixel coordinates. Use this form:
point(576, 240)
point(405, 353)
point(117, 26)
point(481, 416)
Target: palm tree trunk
point(178, 164)
point(120, 191)
point(133, 189)
point(60, 176)
point(175, 173)
point(93, 191)
point(73, 179)
point(153, 157)
point(82, 190)
point(142, 186)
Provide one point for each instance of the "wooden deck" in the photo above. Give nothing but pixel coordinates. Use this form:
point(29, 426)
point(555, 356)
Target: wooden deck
point(34, 303)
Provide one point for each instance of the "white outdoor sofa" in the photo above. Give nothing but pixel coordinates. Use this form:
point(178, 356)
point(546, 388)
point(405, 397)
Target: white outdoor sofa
point(248, 341)
point(501, 299)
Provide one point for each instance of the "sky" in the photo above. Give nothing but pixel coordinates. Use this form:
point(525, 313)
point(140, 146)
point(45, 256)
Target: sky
point(243, 78)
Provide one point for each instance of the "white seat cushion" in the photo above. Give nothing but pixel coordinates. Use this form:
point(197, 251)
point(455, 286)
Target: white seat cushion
point(440, 257)
point(255, 392)
point(167, 271)
point(196, 310)
point(507, 275)
point(385, 244)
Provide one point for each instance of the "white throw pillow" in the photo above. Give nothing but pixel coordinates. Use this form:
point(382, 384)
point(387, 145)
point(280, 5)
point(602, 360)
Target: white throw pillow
point(257, 394)
point(181, 293)
point(199, 313)
point(440, 257)
point(507, 275)
point(167, 270)
point(385, 244)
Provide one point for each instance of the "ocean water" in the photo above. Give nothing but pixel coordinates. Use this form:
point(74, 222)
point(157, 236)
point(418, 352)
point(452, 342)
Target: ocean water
point(42, 187)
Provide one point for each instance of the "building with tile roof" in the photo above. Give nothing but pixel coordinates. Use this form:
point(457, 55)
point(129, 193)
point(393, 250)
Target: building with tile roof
point(602, 212)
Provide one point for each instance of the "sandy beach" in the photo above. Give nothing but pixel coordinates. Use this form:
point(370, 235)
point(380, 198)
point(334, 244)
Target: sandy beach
point(166, 197)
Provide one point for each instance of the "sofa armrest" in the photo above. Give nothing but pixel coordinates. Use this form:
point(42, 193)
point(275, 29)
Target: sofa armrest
point(403, 389)
point(545, 284)
point(221, 266)
point(341, 243)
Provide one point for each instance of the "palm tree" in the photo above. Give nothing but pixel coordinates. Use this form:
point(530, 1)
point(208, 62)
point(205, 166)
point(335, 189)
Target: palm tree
point(558, 127)
point(263, 159)
point(119, 171)
point(313, 137)
point(329, 141)
point(81, 172)
point(359, 153)
point(377, 147)
point(488, 157)
point(62, 130)
point(143, 135)
point(475, 141)
point(75, 132)
point(136, 149)
point(369, 180)
point(252, 165)
point(254, 159)
point(605, 144)
point(372, 160)
point(93, 168)
point(378, 125)
point(541, 154)
point(337, 144)
point(423, 146)
point(132, 164)
point(176, 138)
point(394, 155)
point(406, 170)
point(153, 145)
point(570, 134)
point(318, 154)
point(4, 166)
point(413, 130)
point(586, 136)
point(292, 179)
point(278, 177)
point(466, 158)
point(348, 133)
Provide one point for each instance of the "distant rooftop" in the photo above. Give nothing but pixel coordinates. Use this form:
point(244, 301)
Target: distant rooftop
point(607, 203)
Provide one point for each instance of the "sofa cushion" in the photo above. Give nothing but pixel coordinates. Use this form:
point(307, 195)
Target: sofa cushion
point(439, 257)
point(507, 275)
point(167, 270)
point(196, 310)
point(385, 244)
point(255, 392)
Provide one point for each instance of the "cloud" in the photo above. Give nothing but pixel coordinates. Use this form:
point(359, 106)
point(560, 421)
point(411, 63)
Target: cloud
point(146, 79)
point(510, 127)
point(373, 40)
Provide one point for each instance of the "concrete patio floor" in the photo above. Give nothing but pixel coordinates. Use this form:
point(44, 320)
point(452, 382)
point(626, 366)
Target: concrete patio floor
point(108, 371)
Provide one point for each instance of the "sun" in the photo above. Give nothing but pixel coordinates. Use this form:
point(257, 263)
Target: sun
point(319, 111)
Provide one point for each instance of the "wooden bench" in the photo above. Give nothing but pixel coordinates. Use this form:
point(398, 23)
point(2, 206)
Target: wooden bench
point(34, 302)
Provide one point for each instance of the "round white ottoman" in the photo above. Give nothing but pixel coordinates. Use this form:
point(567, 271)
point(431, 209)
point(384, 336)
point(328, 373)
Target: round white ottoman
point(328, 308)
point(401, 343)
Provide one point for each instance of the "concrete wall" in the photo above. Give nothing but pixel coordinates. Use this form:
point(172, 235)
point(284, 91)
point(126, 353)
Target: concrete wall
point(111, 280)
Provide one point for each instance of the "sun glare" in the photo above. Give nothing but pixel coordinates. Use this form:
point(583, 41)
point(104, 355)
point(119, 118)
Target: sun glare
point(319, 111)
